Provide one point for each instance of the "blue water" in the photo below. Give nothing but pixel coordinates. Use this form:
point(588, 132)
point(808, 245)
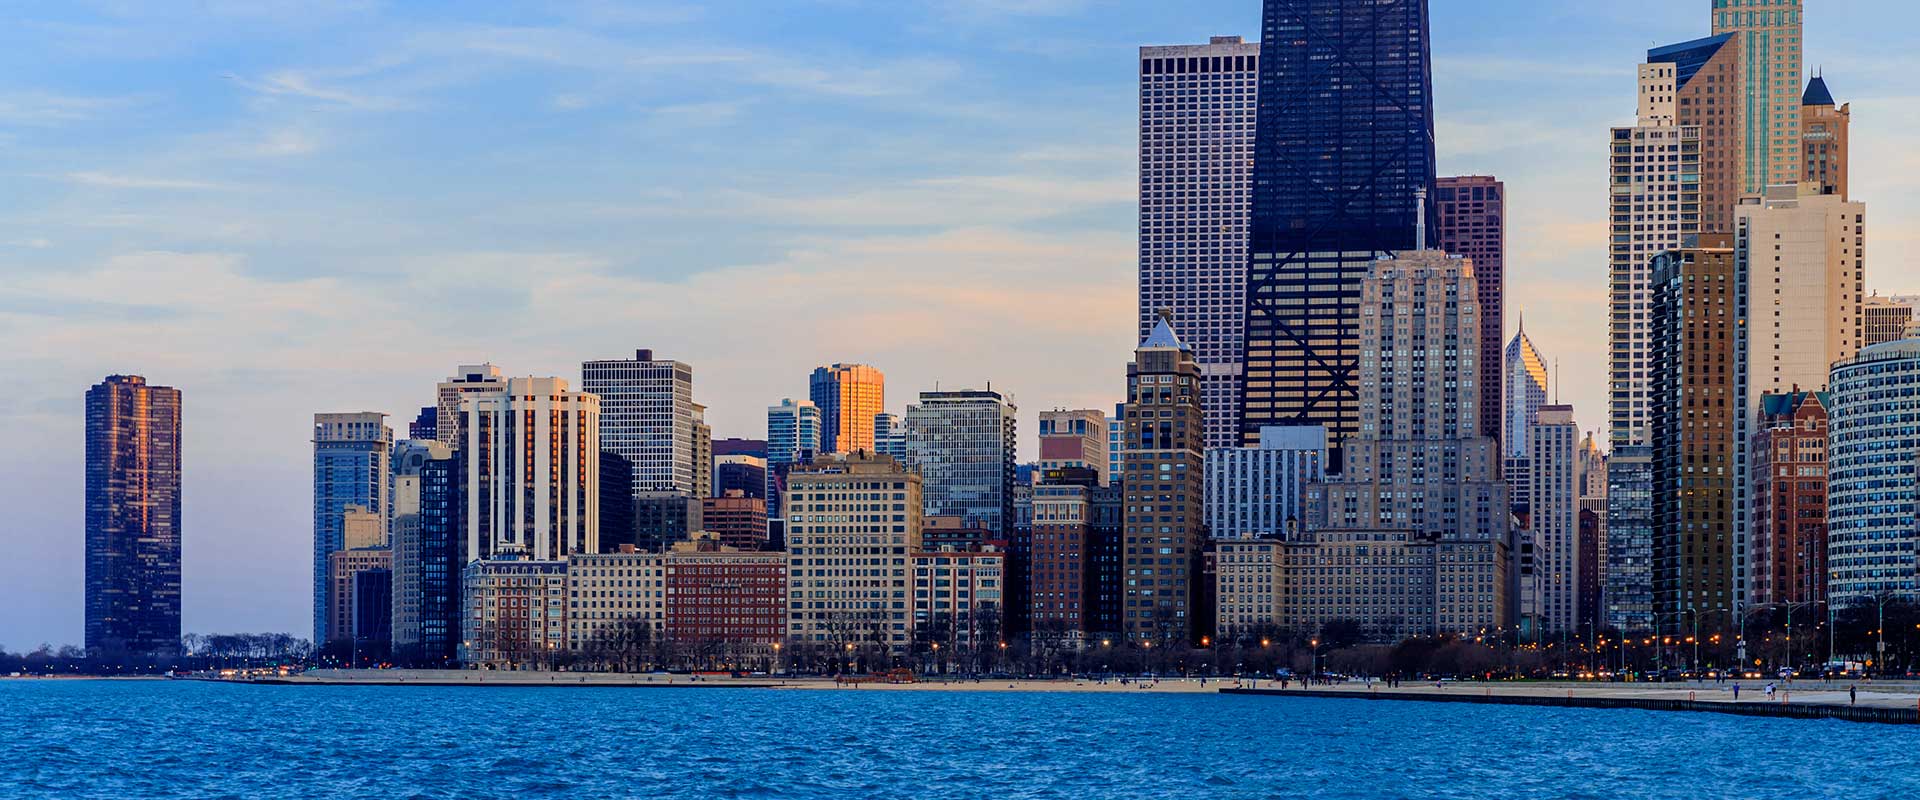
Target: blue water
point(128, 740)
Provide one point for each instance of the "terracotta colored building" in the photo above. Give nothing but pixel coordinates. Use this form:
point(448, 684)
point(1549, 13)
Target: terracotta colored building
point(721, 594)
point(1789, 522)
point(1473, 223)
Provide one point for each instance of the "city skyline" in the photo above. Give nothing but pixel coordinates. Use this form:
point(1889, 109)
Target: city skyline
point(201, 293)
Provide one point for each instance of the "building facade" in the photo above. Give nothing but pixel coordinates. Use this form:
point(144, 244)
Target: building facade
point(959, 598)
point(1058, 557)
point(133, 521)
point(1789, 475)
point(344, 568)
point(1395, 584)
point(533, 470)
point(1165, 490)
point(352, 467)
point(1262, 491)
point(1699, 380)
point(793, 437)
point(429, 500)
point(1874, 436)
point(1824, 131)
point(724, 603)
point(737, 520)
point(1074, 439)
point(647, 416)
point(1198, 108)
point(616, 601)
point(1473, 225)
point(1343, 174)
point(853, 524)
point(467, 379)
point(1883, 319)
point(515, 613)
point(1554, 516)
point(1629, 564)
point(890, 436)
point(848, 396)
point(1804, 257)
point(1419, 465)
point(1525, 375)
point(1769, 77)
point(963, 445)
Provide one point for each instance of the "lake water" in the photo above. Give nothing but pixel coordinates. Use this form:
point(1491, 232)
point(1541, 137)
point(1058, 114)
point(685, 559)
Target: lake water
point(127, 740)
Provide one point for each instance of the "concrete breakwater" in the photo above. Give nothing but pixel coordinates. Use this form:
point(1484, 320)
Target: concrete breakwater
point(1882, 709)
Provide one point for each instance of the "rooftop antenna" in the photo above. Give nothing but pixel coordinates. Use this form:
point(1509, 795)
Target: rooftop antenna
point(1420, 219)
point(1556, 380)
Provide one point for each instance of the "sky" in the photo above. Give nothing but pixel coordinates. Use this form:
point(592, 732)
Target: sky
point(286, 208)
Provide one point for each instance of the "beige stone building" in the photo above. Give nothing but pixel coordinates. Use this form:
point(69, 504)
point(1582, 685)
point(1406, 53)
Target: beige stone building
point(1804, 255)
point(1394, 583)
point(853, 525)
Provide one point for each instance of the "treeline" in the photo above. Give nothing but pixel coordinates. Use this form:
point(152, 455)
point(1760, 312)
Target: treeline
point(196, 652)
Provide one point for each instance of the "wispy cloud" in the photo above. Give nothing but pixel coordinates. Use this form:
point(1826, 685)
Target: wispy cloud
point(111, 180)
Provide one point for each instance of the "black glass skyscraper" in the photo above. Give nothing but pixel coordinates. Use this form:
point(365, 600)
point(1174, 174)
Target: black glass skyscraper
point(133, 517)
point(1344, 140)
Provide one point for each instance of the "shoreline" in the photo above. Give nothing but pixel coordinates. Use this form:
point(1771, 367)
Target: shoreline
point(1873, 706)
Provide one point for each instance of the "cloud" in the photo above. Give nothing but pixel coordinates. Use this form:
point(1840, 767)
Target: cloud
point(306, 85)
point(119, 181)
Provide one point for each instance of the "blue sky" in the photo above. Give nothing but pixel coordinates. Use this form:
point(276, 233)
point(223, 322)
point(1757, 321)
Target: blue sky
point(286, 208)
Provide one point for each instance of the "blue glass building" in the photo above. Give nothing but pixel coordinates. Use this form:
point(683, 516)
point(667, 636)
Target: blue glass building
point(352, 466)
point(1343, 142)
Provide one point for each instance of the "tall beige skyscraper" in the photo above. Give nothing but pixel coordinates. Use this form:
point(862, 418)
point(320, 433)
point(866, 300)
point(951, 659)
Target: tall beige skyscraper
point(1770, 72)
point(468, 379)
point(1554, 476)
point(849, 395)
point(1804, 255)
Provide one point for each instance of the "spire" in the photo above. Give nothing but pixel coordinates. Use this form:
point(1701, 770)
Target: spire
point(1163, 336)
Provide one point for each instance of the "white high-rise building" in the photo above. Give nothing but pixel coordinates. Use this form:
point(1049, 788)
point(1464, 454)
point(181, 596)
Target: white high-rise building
point(1262, 491)
point(533, 470)
point(1197, 112)
point(1554, 477)
point(1653, 201)
point(648, 418)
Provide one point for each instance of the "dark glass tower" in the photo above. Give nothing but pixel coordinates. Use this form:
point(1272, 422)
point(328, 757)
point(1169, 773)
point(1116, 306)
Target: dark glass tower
point(133, 517)
point(1344, 140)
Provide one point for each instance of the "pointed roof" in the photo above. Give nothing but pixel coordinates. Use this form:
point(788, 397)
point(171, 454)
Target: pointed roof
point(1817, 94)
point(1163, 336)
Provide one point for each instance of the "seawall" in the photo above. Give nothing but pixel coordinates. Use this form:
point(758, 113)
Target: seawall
point(1467, 693)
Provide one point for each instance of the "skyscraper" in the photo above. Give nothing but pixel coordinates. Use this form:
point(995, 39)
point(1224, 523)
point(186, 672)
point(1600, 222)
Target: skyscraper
point(414, 557)
point(1343, 173)
point(1872, 474)
point(1419, 467)
point(1770, 70)
point(1823, 139)
point(1654, 200)
point(1695, 85)
point(533, 471)
point(1554, 516)
point(962, 442)
point(1526, 392)
point(1075, 439)
point(890, 436)
point(647, 416)
point(352, 466)
point(133, 517)
point(793, 437)
point(702, 453)
point(1699, 410)
point(1804, 258)
point(1165, 490)
point(467, 379)
point(1473, 225)
point(1197, 110)
point(848, 396)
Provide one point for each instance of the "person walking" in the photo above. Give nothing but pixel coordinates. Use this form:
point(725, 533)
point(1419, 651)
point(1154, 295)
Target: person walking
point(1853, 695)
point(1736, 692)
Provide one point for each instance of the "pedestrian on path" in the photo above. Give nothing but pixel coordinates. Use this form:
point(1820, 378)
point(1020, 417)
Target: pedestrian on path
point(1769, 691)
point(1736, 693)
point(1853, 695)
